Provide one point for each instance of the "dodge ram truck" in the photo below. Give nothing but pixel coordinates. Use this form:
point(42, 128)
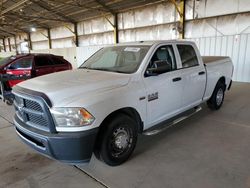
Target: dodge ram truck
point(119, 92)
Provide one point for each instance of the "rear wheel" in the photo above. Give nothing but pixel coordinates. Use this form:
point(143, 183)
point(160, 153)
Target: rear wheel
point(217, 98)
point(117, 140)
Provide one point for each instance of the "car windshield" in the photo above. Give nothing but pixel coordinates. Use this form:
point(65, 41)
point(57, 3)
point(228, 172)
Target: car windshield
point(6, 60)
point(122, 59)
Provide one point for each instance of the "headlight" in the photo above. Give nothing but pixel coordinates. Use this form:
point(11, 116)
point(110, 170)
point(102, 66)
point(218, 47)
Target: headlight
point(72, 117)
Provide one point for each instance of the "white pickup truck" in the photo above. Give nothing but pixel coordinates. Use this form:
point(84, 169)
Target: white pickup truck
point(119, 92)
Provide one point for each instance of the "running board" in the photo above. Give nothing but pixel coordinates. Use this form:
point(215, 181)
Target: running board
point(163, 127)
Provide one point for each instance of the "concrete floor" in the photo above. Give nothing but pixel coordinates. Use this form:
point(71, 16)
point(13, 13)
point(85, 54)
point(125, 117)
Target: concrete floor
point(209, 150)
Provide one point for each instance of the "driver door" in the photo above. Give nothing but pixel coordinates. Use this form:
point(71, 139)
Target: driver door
point(20, 67)
point(164, 90)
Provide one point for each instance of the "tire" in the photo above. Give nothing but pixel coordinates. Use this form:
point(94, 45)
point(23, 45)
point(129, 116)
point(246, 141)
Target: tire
point(217, 98)
point(117, 140)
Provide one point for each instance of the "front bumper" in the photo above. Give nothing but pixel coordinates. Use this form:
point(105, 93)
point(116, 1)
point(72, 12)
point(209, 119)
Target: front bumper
point(70, 147)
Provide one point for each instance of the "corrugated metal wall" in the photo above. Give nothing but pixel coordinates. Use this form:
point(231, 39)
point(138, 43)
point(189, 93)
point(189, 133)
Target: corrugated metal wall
point(235, 46)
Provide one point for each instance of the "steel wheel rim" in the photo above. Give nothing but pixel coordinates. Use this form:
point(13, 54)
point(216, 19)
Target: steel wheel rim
point(121, 141)
point(219, 96)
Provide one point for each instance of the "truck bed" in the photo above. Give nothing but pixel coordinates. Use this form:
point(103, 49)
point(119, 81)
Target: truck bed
point(215, 59)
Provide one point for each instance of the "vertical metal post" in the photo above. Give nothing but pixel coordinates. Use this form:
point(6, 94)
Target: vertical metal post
point(76, 35)
point(9, 44)
point(30, 42)
point(4, 46)
point(49, 38)
point(15, 45)
point(116, 31)
point(181, 6)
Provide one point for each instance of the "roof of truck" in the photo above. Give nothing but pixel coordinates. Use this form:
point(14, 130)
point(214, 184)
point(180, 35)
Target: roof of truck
point(150, 43)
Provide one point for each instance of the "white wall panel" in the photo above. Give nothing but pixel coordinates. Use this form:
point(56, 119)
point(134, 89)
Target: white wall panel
point(97, 25)
point(40, 45)
point(62, 32)
point(42, 51)
point(208, 8)
point(97, 39)
point(159, 32)
point(39, 35)
point(229, 25)
point(150, 15)
point(235, 46)
point(63, 43)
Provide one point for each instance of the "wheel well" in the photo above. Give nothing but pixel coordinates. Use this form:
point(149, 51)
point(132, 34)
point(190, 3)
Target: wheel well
point(131, 112)
point(223, 81)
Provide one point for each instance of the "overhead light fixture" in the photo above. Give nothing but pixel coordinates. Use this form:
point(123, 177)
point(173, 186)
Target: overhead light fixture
point(33, 29)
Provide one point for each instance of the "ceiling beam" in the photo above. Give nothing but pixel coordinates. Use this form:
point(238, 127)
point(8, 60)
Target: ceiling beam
point(6, 31)
point(24, 19)
point(14, 6)
point(105, 7)
point(45, 6)
point(77, 4)
point(13, 27)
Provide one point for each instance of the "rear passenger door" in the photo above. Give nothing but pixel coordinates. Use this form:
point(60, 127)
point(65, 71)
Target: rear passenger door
point(43, 65)
point(193, 75)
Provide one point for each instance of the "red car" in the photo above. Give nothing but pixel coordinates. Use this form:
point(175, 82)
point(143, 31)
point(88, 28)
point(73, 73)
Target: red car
point(32, 65)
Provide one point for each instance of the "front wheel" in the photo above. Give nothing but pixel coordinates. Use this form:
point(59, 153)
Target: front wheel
point(118, 140)
point(217, 98)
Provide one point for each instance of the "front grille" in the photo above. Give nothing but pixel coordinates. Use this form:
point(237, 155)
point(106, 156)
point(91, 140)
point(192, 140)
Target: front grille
point(38, 120)
point(33, 105)
point(32, 112)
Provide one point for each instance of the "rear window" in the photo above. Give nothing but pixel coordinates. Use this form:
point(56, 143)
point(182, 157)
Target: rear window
point(41, 61)
point(57, 60)
point(188, 56)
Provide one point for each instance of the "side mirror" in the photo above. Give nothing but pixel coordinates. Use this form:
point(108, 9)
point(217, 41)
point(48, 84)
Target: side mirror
point(159, 67)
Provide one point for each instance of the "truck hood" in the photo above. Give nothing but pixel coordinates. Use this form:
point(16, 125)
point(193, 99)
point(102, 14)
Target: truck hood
point(63, 87)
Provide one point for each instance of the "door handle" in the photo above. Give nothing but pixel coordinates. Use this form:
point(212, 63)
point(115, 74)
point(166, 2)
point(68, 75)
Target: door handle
point(201, 73)
point(176, 79)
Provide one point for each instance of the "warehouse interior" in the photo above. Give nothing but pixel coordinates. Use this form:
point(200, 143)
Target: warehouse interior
point(211, 149)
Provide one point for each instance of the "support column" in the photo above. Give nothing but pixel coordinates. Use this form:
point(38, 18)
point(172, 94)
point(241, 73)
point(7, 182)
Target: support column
point(49, 39)
point(76, 35)
point(9, 44)
point(181, 7)
point(4, 46)
point(29, 41)
point(116, 31)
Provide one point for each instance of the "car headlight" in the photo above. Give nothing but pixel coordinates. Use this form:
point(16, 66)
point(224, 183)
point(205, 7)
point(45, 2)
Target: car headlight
point(72, 117)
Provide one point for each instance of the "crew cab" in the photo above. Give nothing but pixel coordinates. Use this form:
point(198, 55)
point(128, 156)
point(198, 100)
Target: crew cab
point(32, 65)
point(118, 93)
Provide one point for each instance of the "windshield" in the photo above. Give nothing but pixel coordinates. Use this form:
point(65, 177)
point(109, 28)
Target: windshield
point(122, 59)
point(6, 60)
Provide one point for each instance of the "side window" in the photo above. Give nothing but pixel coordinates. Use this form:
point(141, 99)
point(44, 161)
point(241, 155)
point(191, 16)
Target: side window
point(163, 57)
point(188, 56)
point(23, 63)
point(57, 61)
point(41, 61)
